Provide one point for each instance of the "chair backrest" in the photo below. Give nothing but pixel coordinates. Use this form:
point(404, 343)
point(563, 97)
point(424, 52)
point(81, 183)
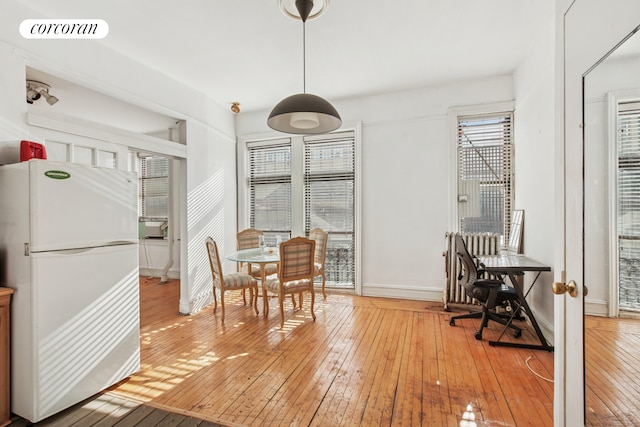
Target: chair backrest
point(214, 262)
point(249, 238)
point(296, 259)
point(469, 271)
point(319, 236)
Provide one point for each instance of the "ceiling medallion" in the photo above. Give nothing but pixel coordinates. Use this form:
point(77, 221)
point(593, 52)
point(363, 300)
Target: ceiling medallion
point(288, 7)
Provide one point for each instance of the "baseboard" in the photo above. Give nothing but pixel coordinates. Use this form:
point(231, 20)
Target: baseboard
point(419, 293)
point(596, 307)
point(156, 272)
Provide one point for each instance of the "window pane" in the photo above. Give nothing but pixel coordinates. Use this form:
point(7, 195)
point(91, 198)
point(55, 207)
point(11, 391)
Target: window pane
point(330, 205)
point(272, 206)
point(83, 155)
point(106, 159)
point(330, 201)
point(154, 186)
point(270, 188)
point(485, 154)
point(628, 206)
point(58, 151)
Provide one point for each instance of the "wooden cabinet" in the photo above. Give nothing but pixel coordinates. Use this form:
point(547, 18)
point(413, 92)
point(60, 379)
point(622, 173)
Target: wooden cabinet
point(5, 356)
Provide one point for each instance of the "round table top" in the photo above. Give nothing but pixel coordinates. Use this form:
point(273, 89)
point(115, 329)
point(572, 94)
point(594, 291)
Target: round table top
point(256, 255)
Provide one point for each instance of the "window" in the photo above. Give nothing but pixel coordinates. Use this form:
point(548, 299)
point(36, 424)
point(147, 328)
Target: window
point(485, 173)
point(154, 187)
point(270, 189)
point(628, 205)
point(300, 183)
point(329, 183)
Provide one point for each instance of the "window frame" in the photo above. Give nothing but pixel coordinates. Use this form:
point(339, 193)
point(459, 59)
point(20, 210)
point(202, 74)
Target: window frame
point(297, 185)
point(614, 99)
point(475, 110)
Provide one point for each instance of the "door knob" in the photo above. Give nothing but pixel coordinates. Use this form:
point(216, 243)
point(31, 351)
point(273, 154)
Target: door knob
point(560, 288)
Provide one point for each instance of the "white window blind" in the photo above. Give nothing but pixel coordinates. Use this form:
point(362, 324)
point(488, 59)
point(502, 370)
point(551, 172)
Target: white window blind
point(270, 188)
point(628, 205)
point(154, 187)
point(485, 156)
point(329, 182)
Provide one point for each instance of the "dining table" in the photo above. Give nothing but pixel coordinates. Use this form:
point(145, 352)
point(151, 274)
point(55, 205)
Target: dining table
point(260, 256)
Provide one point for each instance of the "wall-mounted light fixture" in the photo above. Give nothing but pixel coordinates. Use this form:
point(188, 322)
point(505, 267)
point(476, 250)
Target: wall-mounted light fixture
point(36, 89)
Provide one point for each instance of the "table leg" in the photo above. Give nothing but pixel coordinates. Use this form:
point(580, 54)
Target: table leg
point(263, 277)
point(544, 345)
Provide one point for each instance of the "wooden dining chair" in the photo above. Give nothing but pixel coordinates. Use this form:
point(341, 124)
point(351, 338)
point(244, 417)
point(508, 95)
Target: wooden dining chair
point(320, 237)
point(249, 239)
point(228, 282)
point(295, 274)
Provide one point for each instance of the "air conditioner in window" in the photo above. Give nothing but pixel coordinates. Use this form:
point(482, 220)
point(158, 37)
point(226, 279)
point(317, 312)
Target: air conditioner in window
point(152, 228)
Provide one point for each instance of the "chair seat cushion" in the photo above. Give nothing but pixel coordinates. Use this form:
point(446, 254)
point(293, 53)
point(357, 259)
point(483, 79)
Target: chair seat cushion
point(239, 281)
point(273, 284)
point(269, 269)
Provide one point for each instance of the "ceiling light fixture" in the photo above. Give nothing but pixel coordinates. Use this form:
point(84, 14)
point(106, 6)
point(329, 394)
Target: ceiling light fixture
point(304, 113)
point(36, 89)
point(289, 8)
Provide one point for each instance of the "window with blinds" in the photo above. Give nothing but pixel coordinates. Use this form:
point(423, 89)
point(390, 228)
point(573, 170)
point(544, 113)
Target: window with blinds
point(154, 187)
point(270, 188)
point(329, 197)
point(485, 160)
point(628, 205)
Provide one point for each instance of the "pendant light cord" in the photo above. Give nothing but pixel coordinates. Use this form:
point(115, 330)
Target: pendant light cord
point(304, 58)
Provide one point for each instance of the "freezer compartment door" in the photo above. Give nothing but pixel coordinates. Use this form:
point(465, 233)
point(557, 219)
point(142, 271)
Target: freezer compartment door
point(84, 331)
point(76, 206)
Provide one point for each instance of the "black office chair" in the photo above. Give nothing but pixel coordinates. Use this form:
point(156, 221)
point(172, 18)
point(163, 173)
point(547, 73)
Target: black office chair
point(490, 293)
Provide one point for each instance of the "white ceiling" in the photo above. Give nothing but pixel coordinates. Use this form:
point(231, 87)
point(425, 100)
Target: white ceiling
point(248, 51)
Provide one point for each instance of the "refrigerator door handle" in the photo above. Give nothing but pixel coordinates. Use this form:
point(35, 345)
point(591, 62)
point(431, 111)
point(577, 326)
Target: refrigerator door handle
point(120, 242)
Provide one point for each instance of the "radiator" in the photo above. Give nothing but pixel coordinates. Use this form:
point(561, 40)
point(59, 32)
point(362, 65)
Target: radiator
point(477, 244)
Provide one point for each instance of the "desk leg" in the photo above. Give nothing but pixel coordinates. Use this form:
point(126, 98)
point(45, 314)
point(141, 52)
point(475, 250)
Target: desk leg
point(544, 345)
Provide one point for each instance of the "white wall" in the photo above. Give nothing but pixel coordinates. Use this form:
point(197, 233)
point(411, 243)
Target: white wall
point(210, 143)
point(535, 164)
point(406, 180)
point(210, 205)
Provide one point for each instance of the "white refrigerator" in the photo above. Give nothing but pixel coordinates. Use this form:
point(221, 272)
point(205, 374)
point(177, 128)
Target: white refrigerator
point(69, 249)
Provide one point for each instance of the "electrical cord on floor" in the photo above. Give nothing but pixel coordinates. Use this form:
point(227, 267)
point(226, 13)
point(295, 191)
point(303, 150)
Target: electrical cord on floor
point(534, 372)
point(146, 257)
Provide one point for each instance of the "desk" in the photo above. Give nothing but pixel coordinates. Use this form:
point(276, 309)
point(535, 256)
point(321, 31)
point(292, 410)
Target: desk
point(256, 256)
point(511, 266)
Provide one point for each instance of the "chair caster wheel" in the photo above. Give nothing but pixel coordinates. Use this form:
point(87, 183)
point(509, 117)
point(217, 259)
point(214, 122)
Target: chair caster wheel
point(478, 336)
point(452, 322)
point(518, 334)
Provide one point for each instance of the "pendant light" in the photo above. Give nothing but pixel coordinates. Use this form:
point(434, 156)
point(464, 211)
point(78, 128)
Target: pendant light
point(304, 113)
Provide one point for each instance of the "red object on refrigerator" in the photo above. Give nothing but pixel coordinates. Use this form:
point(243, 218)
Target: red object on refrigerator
point(32, 150)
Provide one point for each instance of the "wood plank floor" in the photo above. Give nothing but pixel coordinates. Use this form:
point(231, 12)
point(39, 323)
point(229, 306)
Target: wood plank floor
point(612, 380)
point(365, 361)
point(106, 410)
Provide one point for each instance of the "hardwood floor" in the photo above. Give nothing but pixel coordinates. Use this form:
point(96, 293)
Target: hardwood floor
point(105, 410)
point(364, 361)
point(612, 381)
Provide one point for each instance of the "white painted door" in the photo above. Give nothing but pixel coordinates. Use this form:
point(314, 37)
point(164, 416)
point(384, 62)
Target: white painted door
point(591, 28)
